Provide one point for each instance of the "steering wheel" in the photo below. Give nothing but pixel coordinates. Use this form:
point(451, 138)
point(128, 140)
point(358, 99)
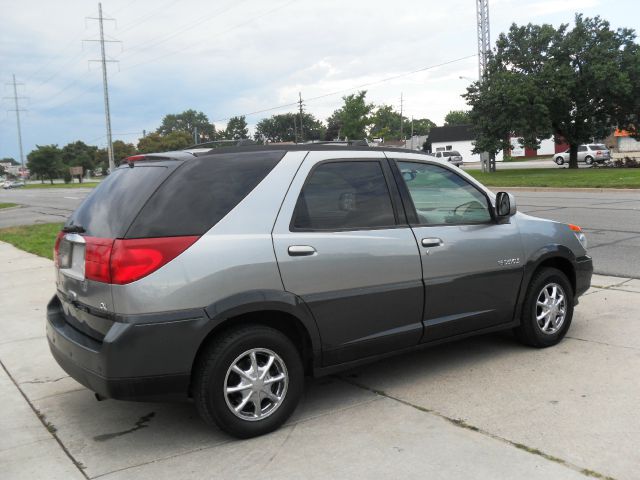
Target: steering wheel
point(471, 205)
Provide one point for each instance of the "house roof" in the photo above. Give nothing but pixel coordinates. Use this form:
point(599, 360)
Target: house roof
point(454, 133)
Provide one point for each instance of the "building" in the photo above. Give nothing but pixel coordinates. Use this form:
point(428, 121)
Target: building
point(456, 137)
point(623, 142)
point(461, 139)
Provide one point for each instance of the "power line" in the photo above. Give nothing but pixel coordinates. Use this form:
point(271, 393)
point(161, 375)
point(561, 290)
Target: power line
point(105, 86)
point(145, 62)
point(16, 101)
point(350, 89)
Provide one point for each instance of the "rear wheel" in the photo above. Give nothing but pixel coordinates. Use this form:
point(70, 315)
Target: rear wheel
point(588, 160)
point(248, 381)
point(547, 310)
point(560, 160)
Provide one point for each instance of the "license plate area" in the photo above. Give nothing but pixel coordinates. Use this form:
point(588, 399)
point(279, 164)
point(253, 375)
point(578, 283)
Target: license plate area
point(71, 256)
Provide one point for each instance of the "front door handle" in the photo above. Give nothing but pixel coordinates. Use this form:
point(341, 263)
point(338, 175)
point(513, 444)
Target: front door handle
point(431, 242)
point(301, 250)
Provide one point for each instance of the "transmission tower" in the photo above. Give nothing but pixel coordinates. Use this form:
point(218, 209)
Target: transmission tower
point(104, 60)
point(484, 42)
point(16, 101)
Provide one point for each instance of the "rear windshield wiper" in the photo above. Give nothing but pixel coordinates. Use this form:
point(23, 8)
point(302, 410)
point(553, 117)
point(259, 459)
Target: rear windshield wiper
point(73, 229)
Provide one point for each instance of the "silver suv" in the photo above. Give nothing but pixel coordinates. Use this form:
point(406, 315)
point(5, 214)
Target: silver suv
point(589, 154)
point(451, 156)
point(228, 275)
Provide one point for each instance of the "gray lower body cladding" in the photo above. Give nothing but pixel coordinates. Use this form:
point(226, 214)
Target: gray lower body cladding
point(136, 360)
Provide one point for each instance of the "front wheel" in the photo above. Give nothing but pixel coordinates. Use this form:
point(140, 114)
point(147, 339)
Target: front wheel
point(547, 310)
point(248, 381)
point(560, 161)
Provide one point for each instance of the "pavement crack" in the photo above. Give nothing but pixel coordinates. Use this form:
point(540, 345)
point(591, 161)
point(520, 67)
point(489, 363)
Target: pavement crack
point(463, 424)
point(44, 381)
point(602, 343)
point(141, 423)
point(49, 426)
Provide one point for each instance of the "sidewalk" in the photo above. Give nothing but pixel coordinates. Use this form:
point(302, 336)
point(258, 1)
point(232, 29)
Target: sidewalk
point(484, 408)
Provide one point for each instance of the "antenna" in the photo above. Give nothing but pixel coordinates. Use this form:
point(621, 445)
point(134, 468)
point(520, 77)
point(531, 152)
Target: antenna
point(105, 85)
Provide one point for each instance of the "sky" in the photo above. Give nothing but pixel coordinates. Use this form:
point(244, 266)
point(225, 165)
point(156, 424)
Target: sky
point(235, 57)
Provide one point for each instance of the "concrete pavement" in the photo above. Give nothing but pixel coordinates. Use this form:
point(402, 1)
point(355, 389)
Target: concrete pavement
point(484, 408)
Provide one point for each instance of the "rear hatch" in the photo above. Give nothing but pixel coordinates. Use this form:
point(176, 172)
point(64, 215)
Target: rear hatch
point(88, 235)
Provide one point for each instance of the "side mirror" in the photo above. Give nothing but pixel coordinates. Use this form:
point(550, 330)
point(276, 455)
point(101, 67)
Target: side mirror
point(505, 205)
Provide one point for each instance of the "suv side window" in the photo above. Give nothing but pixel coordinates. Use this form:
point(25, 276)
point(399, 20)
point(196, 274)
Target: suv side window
point(582, 148)
point(442, 197)
point(344, 195)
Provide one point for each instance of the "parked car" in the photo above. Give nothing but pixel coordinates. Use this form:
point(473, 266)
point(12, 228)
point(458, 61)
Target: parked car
point(227, 275)
point(588, 154)
point(451, 156)
point(13, 184)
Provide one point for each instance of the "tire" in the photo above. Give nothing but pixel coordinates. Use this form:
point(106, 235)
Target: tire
point(531, 332)
point(588, 160)
point(213, 375)
point(560, 161)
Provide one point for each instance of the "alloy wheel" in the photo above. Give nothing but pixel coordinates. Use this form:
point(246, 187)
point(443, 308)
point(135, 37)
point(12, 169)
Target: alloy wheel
point(551, 308)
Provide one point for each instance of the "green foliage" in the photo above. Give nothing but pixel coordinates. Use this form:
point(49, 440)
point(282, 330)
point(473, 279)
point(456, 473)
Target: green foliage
point(457, 117)
point(188, 121)
point(236, 129)
point(560, 177)
point(154, 142)
point(79, 154)
point(66, 176)
point(45, 161)
point(121, 150)
point(353, 119)
point(422, 126)
point(37, 239)
point(542, 80)
point(282, 128)
point(385, 123)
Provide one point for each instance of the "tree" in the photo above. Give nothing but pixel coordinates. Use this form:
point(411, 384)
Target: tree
point(353, 118)
point(457, 117)
point(79, 154)
point(154, 142)
point(10, 160)
point(575, 83)
point(188, 121)
point(121, 150)
point(283, 127)
point(236, 129)
point(422, 126)
point(45, 161)
point(385, 123)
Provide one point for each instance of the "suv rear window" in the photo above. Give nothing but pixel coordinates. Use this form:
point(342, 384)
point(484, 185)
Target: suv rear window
point(201, 192)
point(109, 210)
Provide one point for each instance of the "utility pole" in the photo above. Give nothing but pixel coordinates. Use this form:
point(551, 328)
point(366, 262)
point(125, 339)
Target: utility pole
point(16, 102)
point(195, 135)
point(105, 86)
point(488, 162)
point(300, 105)
point(411, 132)
point(401, 122)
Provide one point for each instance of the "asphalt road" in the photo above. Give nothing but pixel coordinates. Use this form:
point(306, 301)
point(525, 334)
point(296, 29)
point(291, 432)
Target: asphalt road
point(611, 219)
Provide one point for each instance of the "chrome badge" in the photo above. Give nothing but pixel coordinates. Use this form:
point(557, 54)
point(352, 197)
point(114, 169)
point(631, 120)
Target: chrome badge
point(508, 261)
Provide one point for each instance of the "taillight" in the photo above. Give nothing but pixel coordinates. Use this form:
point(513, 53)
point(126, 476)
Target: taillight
point(132, 259)
point(598, 153)
point(56, 247)
point(97, 257)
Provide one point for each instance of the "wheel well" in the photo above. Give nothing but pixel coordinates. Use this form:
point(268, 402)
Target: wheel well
point(284, 322)
point(564, 266)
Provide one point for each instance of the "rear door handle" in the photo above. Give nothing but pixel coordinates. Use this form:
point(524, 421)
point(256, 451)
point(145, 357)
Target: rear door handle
point(431, 242)
point(301, 250)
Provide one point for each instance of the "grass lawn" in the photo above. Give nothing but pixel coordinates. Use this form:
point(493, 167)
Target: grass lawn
point(7, 205)
point(62, 185)
point(38, 239)
point(561, 177)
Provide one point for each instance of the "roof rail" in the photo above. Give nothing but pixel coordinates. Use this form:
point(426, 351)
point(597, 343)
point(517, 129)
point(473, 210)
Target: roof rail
point(243, 142)
point(349, 143)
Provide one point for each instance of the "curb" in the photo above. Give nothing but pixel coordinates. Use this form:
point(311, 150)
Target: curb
point(577, 189)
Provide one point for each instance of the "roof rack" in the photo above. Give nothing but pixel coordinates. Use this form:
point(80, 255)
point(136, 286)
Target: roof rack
point(349, 143)
point(243, 142)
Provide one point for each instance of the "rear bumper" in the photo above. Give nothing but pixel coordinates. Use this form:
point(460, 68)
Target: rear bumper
point(584, 272)
point(136, 359)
